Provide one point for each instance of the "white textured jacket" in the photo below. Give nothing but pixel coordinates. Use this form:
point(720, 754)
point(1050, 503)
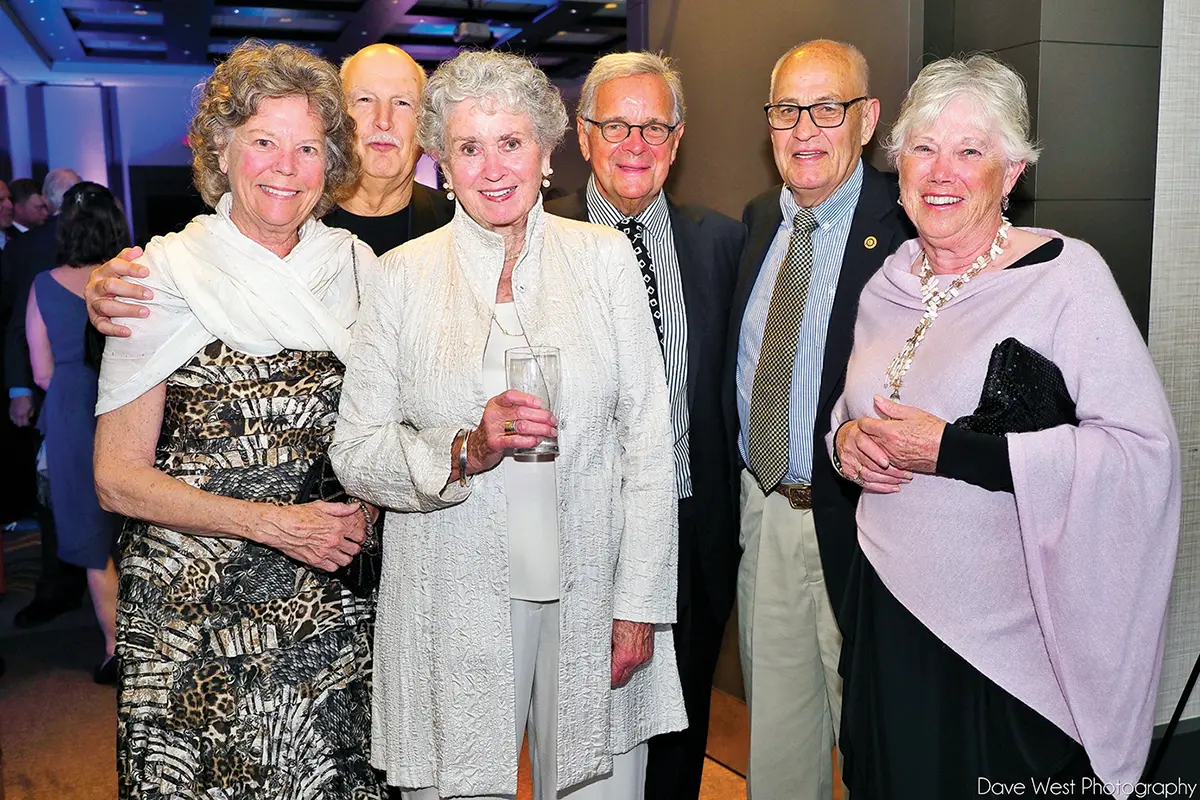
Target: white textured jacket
point(443, 707)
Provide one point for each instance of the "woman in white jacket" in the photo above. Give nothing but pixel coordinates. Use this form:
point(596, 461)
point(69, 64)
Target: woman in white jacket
point(522, 596)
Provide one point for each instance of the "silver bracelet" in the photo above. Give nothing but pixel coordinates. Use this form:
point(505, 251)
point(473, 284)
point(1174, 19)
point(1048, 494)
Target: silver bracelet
point(837, 461)
point(462, 457)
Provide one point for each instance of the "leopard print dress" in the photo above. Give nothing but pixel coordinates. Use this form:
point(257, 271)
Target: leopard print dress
point(244, 674)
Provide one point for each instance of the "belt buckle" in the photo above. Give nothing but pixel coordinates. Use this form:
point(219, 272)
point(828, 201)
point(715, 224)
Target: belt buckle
point(799, 497)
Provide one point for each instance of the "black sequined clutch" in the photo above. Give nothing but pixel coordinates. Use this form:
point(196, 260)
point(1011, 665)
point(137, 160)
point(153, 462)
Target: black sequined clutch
point(1024, 391)
point(360, 576)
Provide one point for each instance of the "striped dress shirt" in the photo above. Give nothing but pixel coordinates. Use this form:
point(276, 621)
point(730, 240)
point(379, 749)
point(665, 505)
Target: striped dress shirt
point(657, 235)
point(834, 216)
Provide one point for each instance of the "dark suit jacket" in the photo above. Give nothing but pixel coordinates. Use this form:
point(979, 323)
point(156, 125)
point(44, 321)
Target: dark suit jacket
point(708, 246)
point(876, 216)
point(26, 255)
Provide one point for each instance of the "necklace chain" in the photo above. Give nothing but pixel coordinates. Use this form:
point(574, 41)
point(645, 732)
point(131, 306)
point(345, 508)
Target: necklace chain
point(935, 298)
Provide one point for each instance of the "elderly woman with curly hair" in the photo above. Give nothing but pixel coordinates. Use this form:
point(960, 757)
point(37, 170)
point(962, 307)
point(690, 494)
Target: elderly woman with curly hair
point(1004, 620)
point(244, 664)
point(526, 596)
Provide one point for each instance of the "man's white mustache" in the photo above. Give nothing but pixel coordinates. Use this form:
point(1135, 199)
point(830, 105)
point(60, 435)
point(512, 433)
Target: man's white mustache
point(384, 138)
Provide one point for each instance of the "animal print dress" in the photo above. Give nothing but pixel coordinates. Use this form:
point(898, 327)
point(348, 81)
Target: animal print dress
point(244, 674)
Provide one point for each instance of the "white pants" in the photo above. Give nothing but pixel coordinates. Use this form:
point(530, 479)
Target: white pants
point(790, 644)
point(535, 662)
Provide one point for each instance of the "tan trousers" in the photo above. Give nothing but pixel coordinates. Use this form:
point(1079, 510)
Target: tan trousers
point(790, 645)
point(535, 651)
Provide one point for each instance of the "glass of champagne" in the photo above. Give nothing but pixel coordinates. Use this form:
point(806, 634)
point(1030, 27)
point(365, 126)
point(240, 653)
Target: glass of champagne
point(534, 370)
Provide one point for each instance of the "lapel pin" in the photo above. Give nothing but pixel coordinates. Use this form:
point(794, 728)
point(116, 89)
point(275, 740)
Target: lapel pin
point(870, 242)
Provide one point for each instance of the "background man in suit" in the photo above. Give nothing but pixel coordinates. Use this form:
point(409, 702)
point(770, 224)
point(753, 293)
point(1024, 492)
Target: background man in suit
point(18, 499)
point(812, 245)
point(29, 206)
point(60, 586)
point(631, 118)
point(6, 215)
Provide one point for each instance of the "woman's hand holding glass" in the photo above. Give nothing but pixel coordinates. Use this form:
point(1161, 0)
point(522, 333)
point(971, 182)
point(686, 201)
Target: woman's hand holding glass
point(510, 420)
point(323, 535)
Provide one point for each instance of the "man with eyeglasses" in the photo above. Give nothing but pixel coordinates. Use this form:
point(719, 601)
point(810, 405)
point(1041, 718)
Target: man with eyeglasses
point(812, 244)
point(631, 118)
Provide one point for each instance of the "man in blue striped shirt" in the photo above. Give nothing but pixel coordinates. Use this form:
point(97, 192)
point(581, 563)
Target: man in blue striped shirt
point(630, 122)
point(812, 244)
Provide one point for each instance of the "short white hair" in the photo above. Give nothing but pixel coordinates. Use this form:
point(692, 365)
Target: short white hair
point(56, 184)
point(628, 65)
point(996, 90)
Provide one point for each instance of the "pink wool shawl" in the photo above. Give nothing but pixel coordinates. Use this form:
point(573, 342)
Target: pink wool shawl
point(1057, 592)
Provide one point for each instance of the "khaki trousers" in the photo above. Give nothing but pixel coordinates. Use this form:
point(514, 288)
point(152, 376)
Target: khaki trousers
point(535, 651)
point(790, 645)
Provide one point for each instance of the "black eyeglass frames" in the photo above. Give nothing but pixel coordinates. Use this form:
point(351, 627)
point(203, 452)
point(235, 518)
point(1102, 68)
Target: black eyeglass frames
point(826, 114)
point(616, 131)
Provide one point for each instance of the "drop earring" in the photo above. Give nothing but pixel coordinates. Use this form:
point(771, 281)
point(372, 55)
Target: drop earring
point(450, 194)
point(1004, 203)
point(546, 178)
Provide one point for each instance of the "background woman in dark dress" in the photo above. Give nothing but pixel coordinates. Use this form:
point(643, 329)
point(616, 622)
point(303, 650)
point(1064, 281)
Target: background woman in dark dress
point(91, 229)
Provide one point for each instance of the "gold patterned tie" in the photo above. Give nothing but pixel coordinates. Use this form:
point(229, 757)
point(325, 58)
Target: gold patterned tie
point(771, 394)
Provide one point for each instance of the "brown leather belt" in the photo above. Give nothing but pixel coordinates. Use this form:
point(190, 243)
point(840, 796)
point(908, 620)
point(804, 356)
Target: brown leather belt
point(799, 495)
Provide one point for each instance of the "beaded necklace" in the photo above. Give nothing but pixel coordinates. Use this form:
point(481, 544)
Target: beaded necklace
point(934, 299)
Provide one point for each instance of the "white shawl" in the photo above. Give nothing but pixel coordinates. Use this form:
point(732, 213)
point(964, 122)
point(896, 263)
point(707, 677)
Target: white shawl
point(211, 282)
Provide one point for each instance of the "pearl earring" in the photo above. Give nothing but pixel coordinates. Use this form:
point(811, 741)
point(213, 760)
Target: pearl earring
point(546, 178)
point(450, 195)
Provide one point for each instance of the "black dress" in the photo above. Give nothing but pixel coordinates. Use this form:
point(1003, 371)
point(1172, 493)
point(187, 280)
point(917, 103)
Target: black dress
point(918, 721)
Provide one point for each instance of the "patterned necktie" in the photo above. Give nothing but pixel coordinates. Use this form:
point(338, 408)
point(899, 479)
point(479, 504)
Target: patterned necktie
point(771, 393)
point(633, 229)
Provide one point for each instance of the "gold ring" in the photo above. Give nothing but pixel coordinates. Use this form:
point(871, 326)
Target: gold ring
point(510, 426)
point(858, 475)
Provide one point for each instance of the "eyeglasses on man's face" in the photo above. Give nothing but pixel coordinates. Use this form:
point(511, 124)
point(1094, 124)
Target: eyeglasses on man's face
point(616, 131)
point(826, 114)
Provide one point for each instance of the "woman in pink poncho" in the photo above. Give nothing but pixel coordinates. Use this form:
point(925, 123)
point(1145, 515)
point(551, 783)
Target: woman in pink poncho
point(1004, 622)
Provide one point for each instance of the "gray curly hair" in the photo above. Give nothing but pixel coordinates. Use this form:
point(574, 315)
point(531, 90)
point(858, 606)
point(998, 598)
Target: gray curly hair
point(499, 82)
point(996, 89)
point(253, 72)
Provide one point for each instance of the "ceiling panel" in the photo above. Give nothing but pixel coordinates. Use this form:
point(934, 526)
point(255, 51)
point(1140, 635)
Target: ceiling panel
point(563, 36)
